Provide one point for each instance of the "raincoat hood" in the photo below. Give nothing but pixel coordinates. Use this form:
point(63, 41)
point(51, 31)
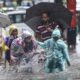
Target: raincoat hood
point(12, 27)
point(25, 34)
point(56, 33)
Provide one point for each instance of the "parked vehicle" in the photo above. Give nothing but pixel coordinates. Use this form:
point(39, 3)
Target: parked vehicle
point(26, 3)
point(17, 16)
point(22, 7)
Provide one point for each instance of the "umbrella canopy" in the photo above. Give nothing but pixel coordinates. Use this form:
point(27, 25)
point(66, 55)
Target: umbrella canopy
point(2, 32)
point(57, 12)
point(34, 22)
point(4, 20)
point(21, 28)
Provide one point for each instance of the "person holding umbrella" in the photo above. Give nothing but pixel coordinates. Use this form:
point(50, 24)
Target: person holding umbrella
point(56, 52)
point(45, 11)
point(44, 31)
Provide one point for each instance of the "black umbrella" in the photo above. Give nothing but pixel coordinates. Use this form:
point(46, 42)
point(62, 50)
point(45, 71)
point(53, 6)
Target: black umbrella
point(34, 22)
point(57, 12)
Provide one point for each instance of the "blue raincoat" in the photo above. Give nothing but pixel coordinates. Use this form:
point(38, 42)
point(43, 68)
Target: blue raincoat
point(56, 53)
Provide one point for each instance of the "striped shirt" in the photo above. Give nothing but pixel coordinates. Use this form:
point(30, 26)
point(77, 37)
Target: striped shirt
point(42, 30)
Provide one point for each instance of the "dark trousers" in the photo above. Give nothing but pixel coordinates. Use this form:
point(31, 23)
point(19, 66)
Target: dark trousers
point(71, 37)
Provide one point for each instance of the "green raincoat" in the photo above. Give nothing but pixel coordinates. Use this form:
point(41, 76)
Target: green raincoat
point(56, 53)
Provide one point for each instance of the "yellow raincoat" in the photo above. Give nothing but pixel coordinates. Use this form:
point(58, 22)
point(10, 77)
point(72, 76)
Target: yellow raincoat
point(11, 28)
point(3, 47)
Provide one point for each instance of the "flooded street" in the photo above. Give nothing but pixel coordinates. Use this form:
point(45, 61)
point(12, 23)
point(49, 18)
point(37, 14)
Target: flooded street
point(23, 24)
point(71, 73)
